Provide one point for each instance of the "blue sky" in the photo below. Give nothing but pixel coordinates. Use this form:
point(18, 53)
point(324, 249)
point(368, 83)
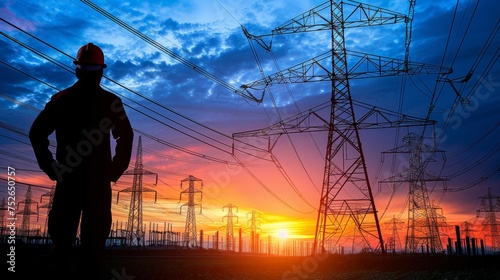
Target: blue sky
point(196, 116)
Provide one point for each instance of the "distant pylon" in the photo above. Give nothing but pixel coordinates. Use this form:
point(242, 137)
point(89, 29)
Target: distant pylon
point(254, 222)
point(467, 228)
point(490, 205)
point(47, 205)
point(394, 242)
point(437, 213)
point(230, 226)
point(189, 238)
point(135, 230)
point(423, 218)
point(27, 212)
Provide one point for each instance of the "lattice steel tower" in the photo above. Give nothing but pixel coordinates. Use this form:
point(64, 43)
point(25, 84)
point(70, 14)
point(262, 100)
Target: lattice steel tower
point(230, 225)
point(347, 211)
point(27, 212)
point(424, 220)
point(190, 228)
point(467, 228)
point(47, 205)
point(254, 222)
point(393, 243)
point(490, 205)
point(135, 226)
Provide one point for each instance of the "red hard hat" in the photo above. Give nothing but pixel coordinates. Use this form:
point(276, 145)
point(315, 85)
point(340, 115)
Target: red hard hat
point(90, 54)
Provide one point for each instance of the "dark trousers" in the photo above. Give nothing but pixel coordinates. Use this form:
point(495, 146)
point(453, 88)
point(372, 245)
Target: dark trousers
point(83, 202)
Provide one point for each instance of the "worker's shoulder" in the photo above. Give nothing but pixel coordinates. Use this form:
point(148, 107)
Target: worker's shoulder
point(62, 94)
point(107, 93)
point(110, 96)
point(74, 90)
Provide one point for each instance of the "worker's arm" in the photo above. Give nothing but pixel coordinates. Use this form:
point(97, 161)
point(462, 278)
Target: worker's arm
point(122, 132)
point(40, 130)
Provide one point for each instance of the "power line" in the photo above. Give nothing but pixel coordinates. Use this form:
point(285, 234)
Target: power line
point(27, 184)
point(240, 91)
point(164, 142)
point(143, 133)
point(142, 96)
point(115, 82)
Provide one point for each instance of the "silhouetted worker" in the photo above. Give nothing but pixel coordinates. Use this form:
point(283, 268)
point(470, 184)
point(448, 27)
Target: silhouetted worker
point(83, 117)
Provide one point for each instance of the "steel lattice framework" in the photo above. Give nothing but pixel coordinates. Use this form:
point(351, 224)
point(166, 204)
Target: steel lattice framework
point(27, 212)
point(135, 227)
point(490, 205)
point(47, 205)
point(424, 219)
point(346, 209)
point(341, 214)
point(230, 246)
point(190, 239)
point(394, 242)
point(254, 230)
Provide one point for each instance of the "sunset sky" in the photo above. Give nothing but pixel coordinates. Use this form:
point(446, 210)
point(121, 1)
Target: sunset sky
point(187, 119)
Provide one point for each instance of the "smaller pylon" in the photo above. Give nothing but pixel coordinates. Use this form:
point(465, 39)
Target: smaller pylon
point(254, 222)
point(47, 205)
point(230, 225)
point(424, 219)
point(135, 226)
point(27, 212)
point(467, 228)
point(490, 205)
point(394, 242)
point(190, 239)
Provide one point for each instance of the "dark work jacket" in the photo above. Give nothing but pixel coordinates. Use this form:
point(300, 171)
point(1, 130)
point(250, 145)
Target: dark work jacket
point(83, 119)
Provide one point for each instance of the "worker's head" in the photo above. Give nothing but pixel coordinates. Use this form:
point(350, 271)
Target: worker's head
point(89, 63)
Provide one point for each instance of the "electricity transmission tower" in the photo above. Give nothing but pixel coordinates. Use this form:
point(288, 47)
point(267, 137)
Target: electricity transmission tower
point(229, 226)
point(346, 208)
point(254, 222)
point(467, 228)
point(424, 220)
point(394, 243)
point(490, 205)
point(27, 212)
point(190, 228)
point(135, 226)
point(47, 205)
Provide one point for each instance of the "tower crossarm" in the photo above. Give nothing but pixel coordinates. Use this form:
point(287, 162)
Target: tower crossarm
point(135, 190)
point(312, 121)
point(413, 142)
point(372, 66)
point(50, 194)
point(405, 178)
point(141, 172)
point(489, 203)
point(190, 193)
point(356, 14)
point(27, 211)
point(317, 69)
